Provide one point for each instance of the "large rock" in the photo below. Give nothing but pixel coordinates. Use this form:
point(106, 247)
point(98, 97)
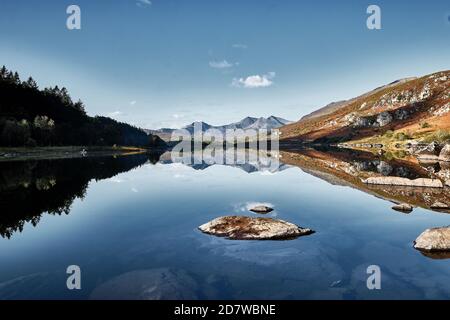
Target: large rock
point(435, 239)
point(439, 206)
point(403, 207)
point(261, 209)
point(401, 114)
point(444, 155)
point(397, 181)
point(437, 255)
point(361, 122)
point(384, 118)
point(250, 228)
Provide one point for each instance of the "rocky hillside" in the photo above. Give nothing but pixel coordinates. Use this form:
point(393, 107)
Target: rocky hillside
point(408, 109)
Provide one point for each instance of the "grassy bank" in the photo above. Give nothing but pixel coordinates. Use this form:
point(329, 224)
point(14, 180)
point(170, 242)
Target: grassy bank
point(36, 153)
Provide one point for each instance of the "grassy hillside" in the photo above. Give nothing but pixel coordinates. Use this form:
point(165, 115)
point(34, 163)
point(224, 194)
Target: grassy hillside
point(417, 108)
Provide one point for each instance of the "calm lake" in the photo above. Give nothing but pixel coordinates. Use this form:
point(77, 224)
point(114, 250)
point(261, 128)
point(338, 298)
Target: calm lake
point(115, 216)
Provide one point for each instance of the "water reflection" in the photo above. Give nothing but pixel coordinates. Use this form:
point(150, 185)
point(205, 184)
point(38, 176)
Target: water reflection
point(157, 238)
point(30, 188)
point(351, 167)
point(249, 160)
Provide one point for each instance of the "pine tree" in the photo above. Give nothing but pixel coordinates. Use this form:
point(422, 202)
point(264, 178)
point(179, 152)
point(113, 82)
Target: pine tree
point(3, 72)
point(9, 76)
point(30, 83)
point(65, 97)
point(79, 105)
point(16, 78)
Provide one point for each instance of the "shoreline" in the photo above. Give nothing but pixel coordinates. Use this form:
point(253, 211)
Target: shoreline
point(63, 152)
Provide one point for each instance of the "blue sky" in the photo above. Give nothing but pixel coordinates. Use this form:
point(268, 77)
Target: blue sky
point(166, 63)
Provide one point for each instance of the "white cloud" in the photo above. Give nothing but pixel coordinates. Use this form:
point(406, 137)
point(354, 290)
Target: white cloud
point(177, 116)
point(132, 103)
point(255, 81)
point(143, 3)
point(239, 46)
point(220, 64)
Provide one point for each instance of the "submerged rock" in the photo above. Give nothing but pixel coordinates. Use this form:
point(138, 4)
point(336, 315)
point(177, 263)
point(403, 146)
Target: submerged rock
point(261, 209)
point(444, 155)
point(397, 181)
point(250, 228)
point(437, 255)
point(403, 207)
point(151, 284)
point(435, 239)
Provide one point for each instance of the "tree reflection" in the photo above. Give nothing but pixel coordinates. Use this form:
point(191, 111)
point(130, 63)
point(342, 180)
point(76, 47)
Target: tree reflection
point(29, 189)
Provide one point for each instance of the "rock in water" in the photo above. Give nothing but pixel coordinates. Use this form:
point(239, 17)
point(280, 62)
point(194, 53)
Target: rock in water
point(250, 228)
point(437, 255)
point(403, 207)
point(435, 239)
point(439, 205)
point(397, 181)
point(261, 209)
point(445, 153)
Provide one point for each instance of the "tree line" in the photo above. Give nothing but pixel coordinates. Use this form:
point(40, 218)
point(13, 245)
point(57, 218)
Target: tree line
point(49, 117)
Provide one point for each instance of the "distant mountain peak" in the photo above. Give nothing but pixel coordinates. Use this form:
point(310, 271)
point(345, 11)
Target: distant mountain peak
point(248, 122)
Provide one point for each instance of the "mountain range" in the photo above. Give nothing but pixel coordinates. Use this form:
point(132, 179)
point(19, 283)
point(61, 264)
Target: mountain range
point(269, 123)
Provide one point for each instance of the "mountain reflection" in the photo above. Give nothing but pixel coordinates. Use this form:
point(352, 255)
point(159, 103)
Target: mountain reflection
point(248, 160)
point(349, 167)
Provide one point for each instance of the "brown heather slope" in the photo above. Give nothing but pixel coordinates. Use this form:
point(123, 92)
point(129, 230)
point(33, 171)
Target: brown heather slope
point(408, 104)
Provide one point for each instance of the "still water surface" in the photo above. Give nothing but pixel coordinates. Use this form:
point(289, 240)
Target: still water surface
point(112, 216)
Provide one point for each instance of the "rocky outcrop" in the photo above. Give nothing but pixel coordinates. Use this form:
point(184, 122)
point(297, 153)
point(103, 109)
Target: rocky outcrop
point(249, 228)
point(403, 207)
point(384, 119)
point(397, 181)
point(435, 239)
point(361, 122)
point(444, 155)
point(401, 114)
point(261, 209)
